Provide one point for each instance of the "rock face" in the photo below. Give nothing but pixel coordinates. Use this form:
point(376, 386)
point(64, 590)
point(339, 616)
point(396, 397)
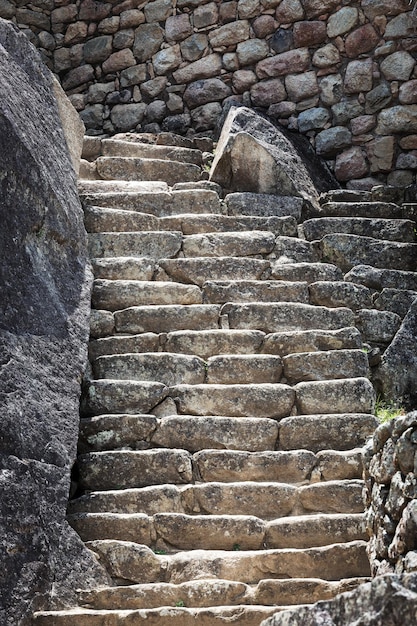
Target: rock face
point(45, 280)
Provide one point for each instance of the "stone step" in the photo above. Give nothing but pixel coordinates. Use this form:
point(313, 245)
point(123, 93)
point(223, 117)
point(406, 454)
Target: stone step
point(167, 318)
point(395, 300)
point(160, 202)
point(272, 317)
point(377, 278)
point(347, 251)
point(124, 268)
point(235, 244)
point(263, 205)
point(105, 396)
point(326, 365)
point(293, 250)
point(243, 369)
point(378, 327)
point(339, 431)
point(115, 295)
point(388, 229)
point(235, 400)
point(163, 367)
point(294, 341)
point(145, 169)
point(340, 293)
point(375, 210)
point(209, 592)
point(176, 531)
point(153, 244)
point(220, 292)
point(350, 395)
point(267, 500)
point(332, 562)
point(145, 342)
point(191, 224)
point(207, 343)
point(104, 220)
point(306, 272)
point(120, 148)
point(164, 616)
point(198, 270)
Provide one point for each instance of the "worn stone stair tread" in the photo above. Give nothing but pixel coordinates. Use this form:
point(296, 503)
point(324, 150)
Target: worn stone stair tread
point(308, 272)
point(325, 365)
point(145, 169)
point(224, 244)
point(378, 210)
point(349, 395)
point(153, 244)
point(244, 369)
point(287, 316)
point(220, 292)
point(207, 343)
point(263, 205)
point(209, 592)
point(295, 250)
point(119, 344)
point(164, 367)
point(339, 431)
point(235, 400)
point(247, 615)
point(198, 270)
point(346, 251)
point(267, 500)
point(121, 396)
point(167, 318)
point(192, 224)
point(118, 147)
point(294, 341)
point(115, 295)
point(380, 278)
point(395, 300)
point(158, 201)
point(340, 293)
point(124, 268)
point(101, 219)
point(388, 229)
point(376, 326)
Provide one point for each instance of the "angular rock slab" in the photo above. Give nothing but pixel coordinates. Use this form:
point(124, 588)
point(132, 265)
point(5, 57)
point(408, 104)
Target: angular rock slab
point(156, 245)
point(295, 341)
point(198, 270)
point(263, 205)
point(333, 496)
point(115, 295)
point(124, 268)
point(331, 364)
point(121, 396)
point(109, 432)
point(388, 229)
point(244, 369)
point(200, 224)
point(354, 395)
point(306, 272)
point(255, 291)
point(163, 319)
point(253, 155)
point(137, 169)
point(376, 278)
point(118, 147)
point(118, 526)
point(102, 220)
point(145, 342)
point(262, 400)
point(207, 343)
point(228, 244)
point(340, 293)
point(128, 560)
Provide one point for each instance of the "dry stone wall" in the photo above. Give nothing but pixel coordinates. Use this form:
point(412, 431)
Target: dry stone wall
point(343, 73)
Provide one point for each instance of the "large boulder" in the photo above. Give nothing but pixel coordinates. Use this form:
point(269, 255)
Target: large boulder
point(44, 309)
point(254, 155)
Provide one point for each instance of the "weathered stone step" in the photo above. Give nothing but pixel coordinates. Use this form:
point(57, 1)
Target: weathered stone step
point(164, 616)
point(238, 244)
point(160, 202)
point(377, 278)
point(340, 293)
point(340, 431)
point(327, 365)
point(115, 295)
point(145, 342)
point(121, 396)
point(207, 343)
point(255, 291)
point(163, 367)
point(124, 268)
point(293, 250)
point(198, 270)
point(167, 318)
point(350, 395)
point(200, 593)
point(145, 169)
point(156, 245)
point(120, 148)
point(122, 469)
point(306, 272)
point(192, 224)
point(395, 300)
point(263, 205)
point(376, 210)
point(267, 500)
point(243, 369)
point(272, 317)
point(294, 341)
point(377, 326)
point(235, 400)
point(104, 220)
point(388, 229)
point(347, 251)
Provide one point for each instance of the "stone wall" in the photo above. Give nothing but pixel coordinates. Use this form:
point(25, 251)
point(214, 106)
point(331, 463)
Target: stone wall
point(391, 493)
point(343, 73)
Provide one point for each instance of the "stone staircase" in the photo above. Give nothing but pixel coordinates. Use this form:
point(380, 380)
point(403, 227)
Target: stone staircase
point(219, 475)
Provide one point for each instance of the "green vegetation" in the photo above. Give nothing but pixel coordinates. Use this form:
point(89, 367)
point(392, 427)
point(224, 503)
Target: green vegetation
point(158, 551)
point(386, 410)
point(236, 547)
point(180, 603)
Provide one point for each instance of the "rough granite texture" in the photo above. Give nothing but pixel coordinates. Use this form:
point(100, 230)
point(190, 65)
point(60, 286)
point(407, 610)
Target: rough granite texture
point(44, 308)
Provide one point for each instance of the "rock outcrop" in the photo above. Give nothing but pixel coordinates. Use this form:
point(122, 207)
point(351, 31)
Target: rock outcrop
point(44, 308)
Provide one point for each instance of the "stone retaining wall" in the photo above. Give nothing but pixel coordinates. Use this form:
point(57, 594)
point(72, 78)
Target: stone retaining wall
point(391, 492)
point(343, 73)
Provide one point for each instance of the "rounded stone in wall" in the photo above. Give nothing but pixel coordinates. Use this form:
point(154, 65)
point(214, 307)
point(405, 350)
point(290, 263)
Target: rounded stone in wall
point(126, 117)
point(398, 66)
